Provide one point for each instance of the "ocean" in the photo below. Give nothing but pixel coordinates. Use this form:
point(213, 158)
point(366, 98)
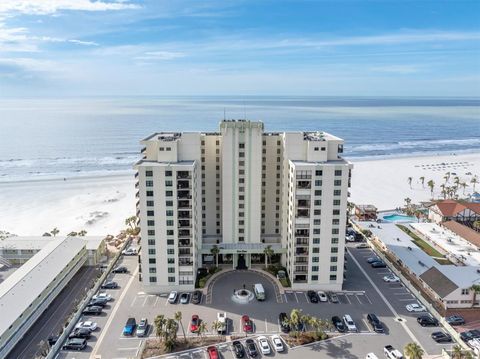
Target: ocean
point(63, 138)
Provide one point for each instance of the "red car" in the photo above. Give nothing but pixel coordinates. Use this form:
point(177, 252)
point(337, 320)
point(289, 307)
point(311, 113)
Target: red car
point(194, 323)
point(247, 324)
point(212, 352)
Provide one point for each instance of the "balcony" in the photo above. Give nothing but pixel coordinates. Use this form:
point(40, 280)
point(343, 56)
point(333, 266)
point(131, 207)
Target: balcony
point(303, 213)
point(184, 224)
point(143, 150)
point(301, 252)
point(301, 270)
point(136, 184)
point(137, 194)
point(302, 233)
point(302, 241)
point(185, 244)
point(302, 176)
point(185, 253)
point(303, 184)
point(183, 185)
point(185, 262)
point(184, 233)
point(302, 203)
point(183, 175)
point(184, 195)
point(136, 174)
point(184, 215)
point(184, 204)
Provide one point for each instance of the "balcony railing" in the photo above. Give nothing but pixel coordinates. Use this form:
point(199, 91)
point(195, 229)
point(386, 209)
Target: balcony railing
point(184, 195)
point(303, 204)
point(184, 204)
point(183, 175)
point(302, 234)
point(304, 185)
point(136, 174)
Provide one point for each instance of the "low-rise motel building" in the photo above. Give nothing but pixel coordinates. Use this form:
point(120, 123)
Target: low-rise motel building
point(29, 290)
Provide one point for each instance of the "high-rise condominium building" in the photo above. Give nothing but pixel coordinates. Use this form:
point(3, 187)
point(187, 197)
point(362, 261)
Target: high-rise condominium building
point(241, 190)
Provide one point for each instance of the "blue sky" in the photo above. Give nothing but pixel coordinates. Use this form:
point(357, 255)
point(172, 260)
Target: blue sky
point(262, 47)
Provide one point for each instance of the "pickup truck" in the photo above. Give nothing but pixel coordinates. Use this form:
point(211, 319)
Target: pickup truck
point(222, 320)
point(392, 353)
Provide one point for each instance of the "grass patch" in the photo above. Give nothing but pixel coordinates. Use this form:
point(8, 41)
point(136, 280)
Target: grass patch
point(304, 338)
point(203, 277)
point(424, 246)
point(273, 270)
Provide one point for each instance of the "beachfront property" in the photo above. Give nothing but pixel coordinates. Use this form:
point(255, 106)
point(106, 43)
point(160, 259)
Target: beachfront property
point(29, 290)
point(241, 190)
point(18, 250)
point(453, 210)
point(445, 269)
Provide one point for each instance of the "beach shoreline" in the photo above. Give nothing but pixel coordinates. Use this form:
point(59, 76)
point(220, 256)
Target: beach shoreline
point(100, 204)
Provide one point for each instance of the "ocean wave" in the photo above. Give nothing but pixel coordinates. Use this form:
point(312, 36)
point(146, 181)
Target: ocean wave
point(427, 145)
point(68, 161)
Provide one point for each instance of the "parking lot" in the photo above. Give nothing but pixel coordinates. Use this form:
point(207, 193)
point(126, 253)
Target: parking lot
point(364, 292)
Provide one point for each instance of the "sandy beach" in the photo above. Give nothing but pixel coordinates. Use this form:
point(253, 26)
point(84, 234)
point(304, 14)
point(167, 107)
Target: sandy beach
point(384, 183)
point(100, 204)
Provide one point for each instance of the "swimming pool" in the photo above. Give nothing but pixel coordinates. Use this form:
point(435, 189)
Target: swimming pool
point(395, 217)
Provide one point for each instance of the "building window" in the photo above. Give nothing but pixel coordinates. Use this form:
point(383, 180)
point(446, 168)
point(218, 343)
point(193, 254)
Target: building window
point(314, 268)
point(315, 149)
point(316, 240)
point(465, 291)
point(337, 192)
point(152, 270)
point(334, 240)
point(150, 203)
point(169, 212)
point(316, 250)
point(168, 183)
point(149, 183)
point(171, 279)
point(168, 193)
point(333, 277)
point(170, 232)
point(150, 213)
point(171, 270)
point(171, 260)
point(335, 221)
point(168, 173)
point(334, 250)
point(151, 242)
point(315, 259)
point(337, 182)
point(334, 259)
point(151, 232)
point(336, 202)
point(336, 212)
point(170, 251)
point(150, 222)
point(170, 222)
point(149, 173)
point(314, 277)
point(152, 260)
point(318, 173)
point(335, 230)
point(168, 148)
point(151, 251)
point(153, 279)
point(149, 193)
point(318, 192)
point(169, 203)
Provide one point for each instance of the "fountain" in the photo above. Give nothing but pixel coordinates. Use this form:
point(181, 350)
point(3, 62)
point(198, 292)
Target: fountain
point(242, 296)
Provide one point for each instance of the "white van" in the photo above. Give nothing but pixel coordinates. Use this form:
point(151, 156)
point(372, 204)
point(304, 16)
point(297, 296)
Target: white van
point(259, 292)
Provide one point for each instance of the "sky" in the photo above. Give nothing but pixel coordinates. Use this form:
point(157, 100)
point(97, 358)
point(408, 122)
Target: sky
point(58, 48)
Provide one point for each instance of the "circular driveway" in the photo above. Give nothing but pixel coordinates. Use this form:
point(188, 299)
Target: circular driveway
point(221, 289)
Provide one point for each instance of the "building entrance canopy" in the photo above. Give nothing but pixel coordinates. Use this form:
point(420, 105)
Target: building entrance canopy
point(233, 248)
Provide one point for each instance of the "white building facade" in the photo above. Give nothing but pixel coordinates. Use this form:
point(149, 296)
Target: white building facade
point(240, 190)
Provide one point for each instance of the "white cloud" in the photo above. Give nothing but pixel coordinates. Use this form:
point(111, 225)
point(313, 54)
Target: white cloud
point(48, 7)
point(398, 69)
point(160, 56)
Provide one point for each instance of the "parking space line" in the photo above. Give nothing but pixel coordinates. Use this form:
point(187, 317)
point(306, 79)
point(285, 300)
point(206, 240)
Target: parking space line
point(296, 298)
point(368, 298)
point(366, 324)
point(266, 326)
point(402, 293)
point(133, 301)
point(359, 301)
point(145, 301)
point(156, 301)
point(286, 300)
point(348, 299)
point(405, 299)
point(306, 298)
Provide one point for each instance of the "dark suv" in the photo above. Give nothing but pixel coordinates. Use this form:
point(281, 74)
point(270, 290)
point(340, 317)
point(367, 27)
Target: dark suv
point(426, 320)
point(80, 333)
point(338, 323)
point(238, 349)
point(375, 323)
point(312, 296)
point(75, 344)
point(251, 348)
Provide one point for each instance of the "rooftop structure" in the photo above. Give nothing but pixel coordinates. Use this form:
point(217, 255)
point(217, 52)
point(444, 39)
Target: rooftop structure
point(463, 231)
point(28, 291)
point(452, 210)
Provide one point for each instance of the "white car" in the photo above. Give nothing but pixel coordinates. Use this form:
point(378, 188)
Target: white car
point(391, 279)
point(172, 297)
point(322, 296)
point(277, 343)
point(415, 307)
point(103, 295)
point(264, 346)
point(87, 325)
point(129, 252)
point(371, 356)
point(349, 323)
point(222, 320)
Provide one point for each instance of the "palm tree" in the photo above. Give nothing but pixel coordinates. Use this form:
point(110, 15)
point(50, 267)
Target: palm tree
point(268, 252)
point(171, 328)
point(217, 326)
point(413, 351)
point(202, 329)
point(431, 185)
point(447, 177)
point(82, 233)
point(178, 318)
point(476, 225)
point(464, 185)
point(476, 289)
point(295, 319)
point(132, 222)
point(457, 352)
point(474, 181)
point(54, 231)
point(422, 179)
point(215, 251)
point(409, 179)
point(72, 234)
point(159, 324)
point(168, 345)
point(408, 201)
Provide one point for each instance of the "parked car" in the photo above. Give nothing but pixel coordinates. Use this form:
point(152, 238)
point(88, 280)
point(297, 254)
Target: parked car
point(109, 285)
point(196, 297)
point(121, 269)
point(362, 245)
point(75, 344)
point(212, 352)
point(92, 310)
point(172, 297)
point(427, 320)
point(251, 348)
point(194, 323)
point(312, 296)
point(339, 325)
point(129, 327)
point(441, 337)
point(129, 252)
point(87, 325)
point(415, 307)
point(247, 324)
point(277, 343)
point(469, 335)
point(184, 298)
point(264, 346)
point(391, 278)
point(322, 296)
point(283, 320)
point(238, 349)
point(375, 323)
point(80, 333)
point(142, 328)
point(455, 320)
point(379, 264)
point(349, 323)
point(103, 296)
point(222, 322)
point(98, 302)
point(332, 297)
point(373, 259)
point(392, 353)
point(371, 356)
